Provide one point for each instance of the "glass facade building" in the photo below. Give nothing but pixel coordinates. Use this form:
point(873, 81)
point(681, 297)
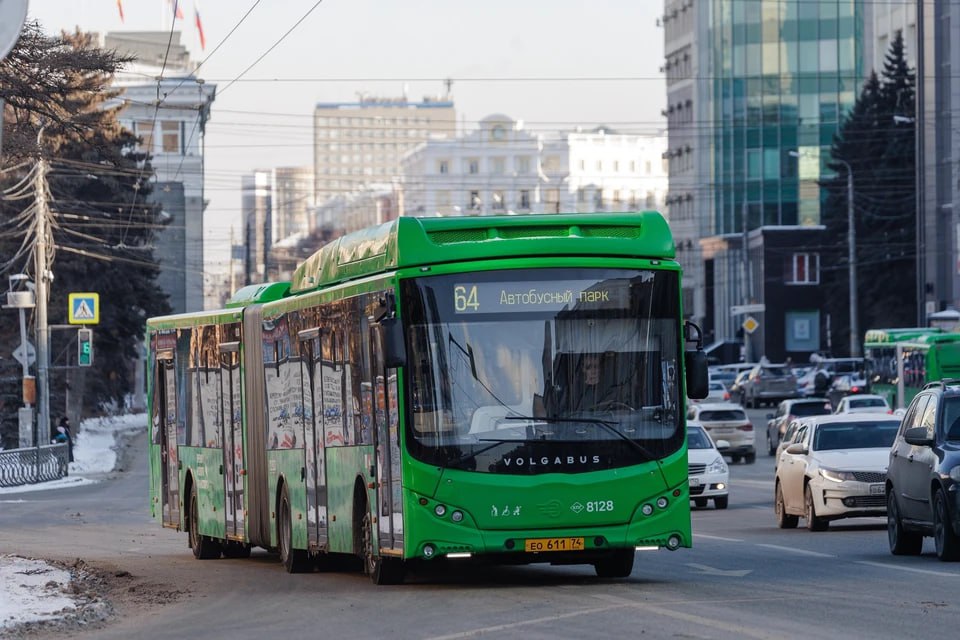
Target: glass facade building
point(784, 74)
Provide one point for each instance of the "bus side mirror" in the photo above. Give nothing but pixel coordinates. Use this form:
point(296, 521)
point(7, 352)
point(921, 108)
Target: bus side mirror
point(697, 377)
point(394, 351)
point(695, 363)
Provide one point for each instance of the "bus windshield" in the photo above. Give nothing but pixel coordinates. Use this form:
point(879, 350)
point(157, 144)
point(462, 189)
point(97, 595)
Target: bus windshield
point(542, 370)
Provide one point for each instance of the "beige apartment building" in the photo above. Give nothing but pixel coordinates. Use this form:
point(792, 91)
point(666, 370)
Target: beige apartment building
point(361, 143)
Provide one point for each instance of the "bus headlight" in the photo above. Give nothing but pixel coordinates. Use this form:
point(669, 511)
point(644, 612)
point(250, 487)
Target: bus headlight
point(662, 502)
point(646, 509)
point(457, 516)
point(440, 510)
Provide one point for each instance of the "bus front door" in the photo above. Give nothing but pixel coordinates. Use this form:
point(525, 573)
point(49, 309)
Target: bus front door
point(169, 473)
point(386, 439)
point(314, 383)
point(231, 439)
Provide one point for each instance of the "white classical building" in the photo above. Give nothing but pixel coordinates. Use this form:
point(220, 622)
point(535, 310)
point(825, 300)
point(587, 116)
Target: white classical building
point(501, 168)
point(172, 132)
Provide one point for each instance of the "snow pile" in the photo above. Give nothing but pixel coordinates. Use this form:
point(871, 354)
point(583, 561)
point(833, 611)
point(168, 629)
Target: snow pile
point(93, 447)
point(32, 590)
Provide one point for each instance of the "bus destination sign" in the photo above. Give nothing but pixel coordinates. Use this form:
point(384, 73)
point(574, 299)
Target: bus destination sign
point(525, 297)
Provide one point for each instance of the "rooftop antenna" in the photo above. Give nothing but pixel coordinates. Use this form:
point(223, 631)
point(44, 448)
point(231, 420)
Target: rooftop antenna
point(449, 85)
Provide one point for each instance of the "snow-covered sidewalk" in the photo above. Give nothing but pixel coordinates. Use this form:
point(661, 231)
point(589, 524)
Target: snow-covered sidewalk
point(33, 590)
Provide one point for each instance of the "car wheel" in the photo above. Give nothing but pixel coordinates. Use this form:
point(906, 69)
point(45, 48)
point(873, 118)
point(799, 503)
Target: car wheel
point(735, 459)
point(700, 502)
point(771, 448)
point(617, 565)
point(902, 543)
point(810, 512)
point(750, 458)
point(948, 543)
point(720, 502)
point(784, 519)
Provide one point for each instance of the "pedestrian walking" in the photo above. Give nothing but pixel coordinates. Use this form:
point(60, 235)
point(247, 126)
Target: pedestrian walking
point(64, 435)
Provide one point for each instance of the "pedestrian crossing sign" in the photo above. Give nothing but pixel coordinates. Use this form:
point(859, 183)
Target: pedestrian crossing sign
point(84, 308)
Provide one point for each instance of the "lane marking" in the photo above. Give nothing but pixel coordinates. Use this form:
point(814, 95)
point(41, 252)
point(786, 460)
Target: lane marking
point(709, 537)
point(524, 623)
point(884, 565)
point(802, 552)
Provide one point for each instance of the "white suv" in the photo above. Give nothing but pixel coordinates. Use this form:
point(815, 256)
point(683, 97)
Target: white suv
point(729, 422)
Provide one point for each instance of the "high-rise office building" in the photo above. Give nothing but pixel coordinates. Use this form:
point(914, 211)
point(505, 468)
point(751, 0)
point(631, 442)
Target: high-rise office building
point(769, 83)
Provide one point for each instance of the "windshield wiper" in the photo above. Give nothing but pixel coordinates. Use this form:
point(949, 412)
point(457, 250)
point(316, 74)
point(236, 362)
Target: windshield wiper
point(606, 424)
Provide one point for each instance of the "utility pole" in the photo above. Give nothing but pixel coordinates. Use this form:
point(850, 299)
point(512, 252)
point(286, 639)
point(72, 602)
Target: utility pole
point(43, 277)
point(746, 280)
point(852, 270)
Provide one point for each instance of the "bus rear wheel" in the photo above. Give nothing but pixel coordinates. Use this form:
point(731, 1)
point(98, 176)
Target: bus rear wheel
point(294, 560)
point(204, 547)
point(617, 565)
point(381, 570)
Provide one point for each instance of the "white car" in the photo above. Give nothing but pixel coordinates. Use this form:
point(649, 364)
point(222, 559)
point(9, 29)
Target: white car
point(728, 422)
point(709, 477)
point(864, 402)
point(835, 468)
point(716, 392)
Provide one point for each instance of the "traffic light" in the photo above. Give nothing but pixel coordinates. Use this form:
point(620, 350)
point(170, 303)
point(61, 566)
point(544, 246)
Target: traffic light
point(84, 347)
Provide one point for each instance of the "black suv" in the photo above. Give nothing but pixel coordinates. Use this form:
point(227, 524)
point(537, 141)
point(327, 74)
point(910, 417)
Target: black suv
point(923, 477)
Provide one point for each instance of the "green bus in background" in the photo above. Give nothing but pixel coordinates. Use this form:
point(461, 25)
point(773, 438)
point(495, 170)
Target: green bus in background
point(900, 361)
point(508, 389)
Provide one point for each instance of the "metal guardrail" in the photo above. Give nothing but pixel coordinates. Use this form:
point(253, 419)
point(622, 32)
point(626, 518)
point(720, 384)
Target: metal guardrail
point(32, 465)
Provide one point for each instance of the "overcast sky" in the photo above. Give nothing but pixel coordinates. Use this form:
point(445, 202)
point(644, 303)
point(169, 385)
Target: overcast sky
point(363, 40)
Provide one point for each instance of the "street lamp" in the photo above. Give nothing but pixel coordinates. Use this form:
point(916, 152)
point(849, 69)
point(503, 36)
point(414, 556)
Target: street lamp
point(852, 266)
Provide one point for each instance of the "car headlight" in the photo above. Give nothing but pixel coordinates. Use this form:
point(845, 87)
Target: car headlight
point(717, 466)
point(836, 476)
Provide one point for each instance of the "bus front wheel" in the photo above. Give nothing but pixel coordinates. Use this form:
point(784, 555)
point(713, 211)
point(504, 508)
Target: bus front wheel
point(381, 570)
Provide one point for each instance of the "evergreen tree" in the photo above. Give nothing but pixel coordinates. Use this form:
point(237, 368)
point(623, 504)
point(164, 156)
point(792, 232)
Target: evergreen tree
point(877, 140)
point(102, 224)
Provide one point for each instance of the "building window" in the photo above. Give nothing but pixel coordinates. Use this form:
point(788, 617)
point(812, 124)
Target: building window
point(523, 165)
point(144, 130)
point(473, 166)
point(171, 137)
point(525, 200)
point(498, 166)
point(499, 202)
point(473, 202)
point(802, 268)
point(444, 166)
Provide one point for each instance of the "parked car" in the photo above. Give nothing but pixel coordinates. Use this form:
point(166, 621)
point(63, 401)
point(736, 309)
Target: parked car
point(729, 422)
point(768, 383)
point(924, 474)
point(709, 477)
point(835, 469)
point(866, 402)
point(787, 412)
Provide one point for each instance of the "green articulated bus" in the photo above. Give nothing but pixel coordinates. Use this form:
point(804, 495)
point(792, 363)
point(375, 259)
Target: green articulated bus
point(900, 361)
point(504, 389)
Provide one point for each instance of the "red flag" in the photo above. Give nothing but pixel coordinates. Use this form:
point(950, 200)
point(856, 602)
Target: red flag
point(120, 9)
point(177, 12)
point(196, 14)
